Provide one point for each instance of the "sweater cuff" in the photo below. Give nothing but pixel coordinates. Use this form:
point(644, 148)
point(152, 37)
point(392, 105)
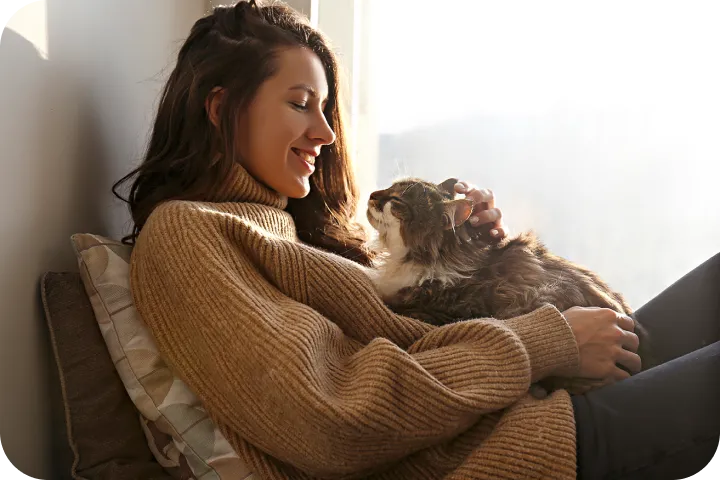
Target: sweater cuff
point(549, 341)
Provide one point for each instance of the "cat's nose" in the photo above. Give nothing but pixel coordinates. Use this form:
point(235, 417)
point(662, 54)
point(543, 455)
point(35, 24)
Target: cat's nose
point(374, 201)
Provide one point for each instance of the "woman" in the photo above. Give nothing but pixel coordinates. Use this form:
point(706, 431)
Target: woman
point(249, 270)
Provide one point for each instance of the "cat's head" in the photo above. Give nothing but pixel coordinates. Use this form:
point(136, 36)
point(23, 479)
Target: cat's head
point(415, 214)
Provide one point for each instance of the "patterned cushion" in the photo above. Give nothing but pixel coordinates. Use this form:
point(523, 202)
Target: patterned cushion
point(180, 434)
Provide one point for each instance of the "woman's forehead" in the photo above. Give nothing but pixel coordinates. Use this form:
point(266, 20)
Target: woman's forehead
point(300, 69)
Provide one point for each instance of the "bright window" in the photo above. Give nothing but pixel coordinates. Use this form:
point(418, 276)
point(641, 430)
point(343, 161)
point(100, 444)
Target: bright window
point(596, 123)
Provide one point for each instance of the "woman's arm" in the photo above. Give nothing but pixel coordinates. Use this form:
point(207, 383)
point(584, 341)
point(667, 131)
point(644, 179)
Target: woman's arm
point(292, 383)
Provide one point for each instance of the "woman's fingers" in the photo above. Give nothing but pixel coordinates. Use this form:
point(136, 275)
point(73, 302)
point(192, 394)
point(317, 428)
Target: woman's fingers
point(499, 232)
point(461, 187)
point(629, 360)
point(494, 215)
point(619, 374)
point(626, 323)
point(484, 211)
point(478, 195)
point(630, 341)
point(484, 196)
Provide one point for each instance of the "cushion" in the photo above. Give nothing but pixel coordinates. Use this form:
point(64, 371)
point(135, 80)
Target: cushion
point(101, 423)
point(178, 429)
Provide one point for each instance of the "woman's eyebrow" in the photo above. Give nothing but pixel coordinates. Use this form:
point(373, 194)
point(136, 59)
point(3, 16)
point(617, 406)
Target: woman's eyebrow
point(307, 88)
point(303, 86)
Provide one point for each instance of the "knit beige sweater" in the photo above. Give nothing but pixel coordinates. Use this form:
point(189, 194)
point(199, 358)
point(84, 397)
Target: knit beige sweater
point(309, 375)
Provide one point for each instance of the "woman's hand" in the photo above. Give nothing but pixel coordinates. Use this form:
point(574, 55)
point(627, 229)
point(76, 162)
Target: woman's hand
point(605, 339)
point(484, 212)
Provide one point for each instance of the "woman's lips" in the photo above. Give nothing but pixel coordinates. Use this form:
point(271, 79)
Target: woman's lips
point(307, 159)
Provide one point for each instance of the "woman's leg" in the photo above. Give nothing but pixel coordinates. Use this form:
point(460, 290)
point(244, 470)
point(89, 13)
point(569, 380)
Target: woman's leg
point(662, 423)
point(685, 316)
point(665, 421)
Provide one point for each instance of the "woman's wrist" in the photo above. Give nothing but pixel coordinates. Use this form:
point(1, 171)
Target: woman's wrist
point(549, 341)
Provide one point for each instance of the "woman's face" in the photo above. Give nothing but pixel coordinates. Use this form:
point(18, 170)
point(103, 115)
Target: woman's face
point(284, 128)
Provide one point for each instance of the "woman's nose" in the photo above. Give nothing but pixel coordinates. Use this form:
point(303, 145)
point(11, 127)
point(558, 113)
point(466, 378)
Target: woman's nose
point(322, 132)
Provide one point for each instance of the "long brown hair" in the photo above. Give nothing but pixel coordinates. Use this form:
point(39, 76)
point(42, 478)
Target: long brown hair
point(187, 156)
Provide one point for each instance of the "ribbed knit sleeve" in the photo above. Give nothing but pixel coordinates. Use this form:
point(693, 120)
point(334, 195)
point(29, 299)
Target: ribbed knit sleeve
point(292, 351)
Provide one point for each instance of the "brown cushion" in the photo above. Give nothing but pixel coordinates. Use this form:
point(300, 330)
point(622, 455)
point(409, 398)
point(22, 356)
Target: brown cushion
point(102, 424)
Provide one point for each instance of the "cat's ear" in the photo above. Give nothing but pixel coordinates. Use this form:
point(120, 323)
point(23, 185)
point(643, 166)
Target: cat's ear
point(456, 212)
point(448, 185)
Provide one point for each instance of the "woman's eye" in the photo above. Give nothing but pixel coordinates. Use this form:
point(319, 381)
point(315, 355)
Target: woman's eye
point(299, 106)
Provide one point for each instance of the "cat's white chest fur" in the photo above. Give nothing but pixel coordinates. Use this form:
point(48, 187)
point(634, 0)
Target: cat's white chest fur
point(395, 272)
point(392, 273)
point(392, 276)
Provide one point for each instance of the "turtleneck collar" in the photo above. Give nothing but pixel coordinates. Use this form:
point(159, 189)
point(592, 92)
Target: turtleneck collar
point(243, 187)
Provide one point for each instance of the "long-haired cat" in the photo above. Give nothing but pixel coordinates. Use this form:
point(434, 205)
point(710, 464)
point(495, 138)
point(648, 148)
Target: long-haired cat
point(438, 269)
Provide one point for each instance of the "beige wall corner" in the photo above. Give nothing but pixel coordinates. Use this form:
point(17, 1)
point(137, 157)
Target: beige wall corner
point(79, 85)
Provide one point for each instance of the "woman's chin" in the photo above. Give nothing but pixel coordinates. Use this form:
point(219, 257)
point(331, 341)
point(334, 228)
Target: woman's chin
point(297, 189)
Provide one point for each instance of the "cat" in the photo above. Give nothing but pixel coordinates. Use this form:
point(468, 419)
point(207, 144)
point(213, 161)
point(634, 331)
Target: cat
point(435, 267)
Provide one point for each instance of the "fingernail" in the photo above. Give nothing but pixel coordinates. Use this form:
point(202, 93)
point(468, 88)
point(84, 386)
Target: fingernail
point(494, 233)
point(460, 185)
point(474, 221)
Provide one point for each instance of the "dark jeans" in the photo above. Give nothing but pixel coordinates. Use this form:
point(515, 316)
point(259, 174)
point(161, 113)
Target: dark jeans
point(663, 423)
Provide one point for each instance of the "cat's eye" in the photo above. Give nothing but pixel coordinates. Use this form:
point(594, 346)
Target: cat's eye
point(401, 208)
point(396, 202)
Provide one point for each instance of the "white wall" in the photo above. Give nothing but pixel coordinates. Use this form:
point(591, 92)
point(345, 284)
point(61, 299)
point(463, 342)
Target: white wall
point(79, 83)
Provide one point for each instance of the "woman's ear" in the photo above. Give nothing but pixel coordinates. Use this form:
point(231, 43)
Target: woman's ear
point(213, 103)
point(456, 212)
